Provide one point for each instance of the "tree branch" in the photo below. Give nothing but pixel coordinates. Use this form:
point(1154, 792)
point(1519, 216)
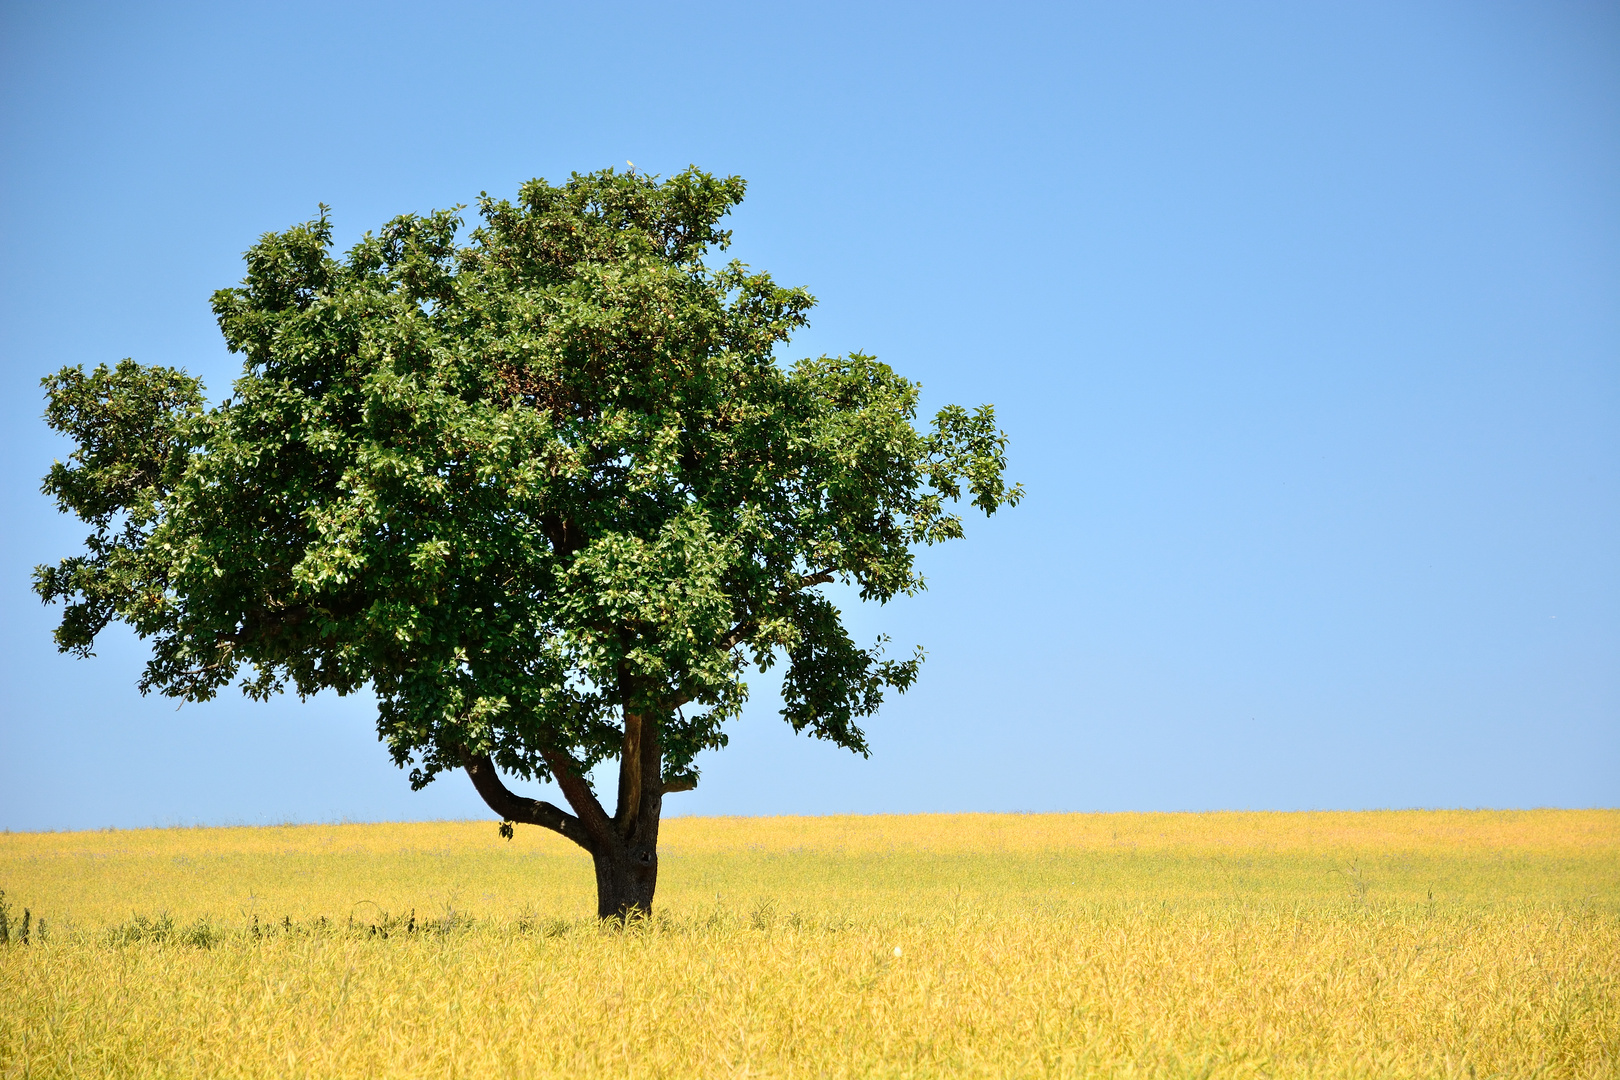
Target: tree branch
point(630, 778)
point(514, 807)
point(749, 625)
point(580, 796)
point(685, 783)
point(651, 797)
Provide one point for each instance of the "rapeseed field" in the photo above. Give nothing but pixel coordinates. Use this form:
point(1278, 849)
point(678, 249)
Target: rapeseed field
point(1422, 944)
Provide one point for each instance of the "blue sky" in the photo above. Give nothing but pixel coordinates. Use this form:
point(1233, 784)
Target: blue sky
point(1304, 320)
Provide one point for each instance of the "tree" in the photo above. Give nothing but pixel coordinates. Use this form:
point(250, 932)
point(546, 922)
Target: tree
point(547, 492)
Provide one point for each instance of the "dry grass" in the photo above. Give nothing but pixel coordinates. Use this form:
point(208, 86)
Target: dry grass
point(1400, 944)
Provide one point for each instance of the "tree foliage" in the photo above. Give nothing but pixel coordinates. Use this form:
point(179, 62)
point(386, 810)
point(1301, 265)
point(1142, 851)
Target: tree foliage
point(524, 482)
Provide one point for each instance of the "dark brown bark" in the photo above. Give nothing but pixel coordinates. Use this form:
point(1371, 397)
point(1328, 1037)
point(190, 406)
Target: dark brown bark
point(626, 879)
point(627, 869)
point(624, 847)
point(514, 807)
point(578, 792)
point(630, 782)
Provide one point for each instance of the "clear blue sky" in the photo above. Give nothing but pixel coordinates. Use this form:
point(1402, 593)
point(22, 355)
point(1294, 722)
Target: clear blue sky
point(1304, 320)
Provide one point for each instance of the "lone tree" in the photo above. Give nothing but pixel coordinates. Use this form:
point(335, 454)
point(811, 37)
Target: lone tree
point(547, 492)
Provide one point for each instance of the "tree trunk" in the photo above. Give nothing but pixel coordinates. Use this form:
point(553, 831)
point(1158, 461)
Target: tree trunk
point(626, 877)
point(623, 847)
point(627, 864)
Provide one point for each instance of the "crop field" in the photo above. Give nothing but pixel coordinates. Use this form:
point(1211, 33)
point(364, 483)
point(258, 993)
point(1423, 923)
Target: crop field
point(1430, 944)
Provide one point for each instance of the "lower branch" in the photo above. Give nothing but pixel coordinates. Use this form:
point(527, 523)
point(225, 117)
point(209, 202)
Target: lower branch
point(594, 820)
point(514, 807)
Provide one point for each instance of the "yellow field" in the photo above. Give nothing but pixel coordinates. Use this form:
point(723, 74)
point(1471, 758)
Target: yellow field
point(1333, 944)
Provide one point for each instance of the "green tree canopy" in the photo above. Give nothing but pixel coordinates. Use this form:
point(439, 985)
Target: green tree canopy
point(545, 489)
